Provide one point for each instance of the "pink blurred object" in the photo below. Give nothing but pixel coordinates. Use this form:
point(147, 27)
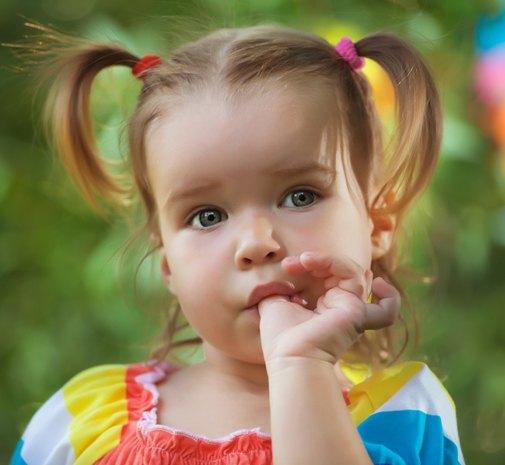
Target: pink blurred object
point(489, 76)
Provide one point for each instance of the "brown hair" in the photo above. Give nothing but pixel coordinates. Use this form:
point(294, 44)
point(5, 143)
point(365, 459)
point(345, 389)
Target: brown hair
point(234, 59)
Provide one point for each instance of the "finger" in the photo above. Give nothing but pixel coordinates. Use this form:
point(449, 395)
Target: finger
point(335, 298)
point(386, 311)
point(272, 301)
point(384, 290)
point(355, 285)
point(311, 262)
point(346, 274)
point(293, 265)
point(359, 285)
point(321, 266)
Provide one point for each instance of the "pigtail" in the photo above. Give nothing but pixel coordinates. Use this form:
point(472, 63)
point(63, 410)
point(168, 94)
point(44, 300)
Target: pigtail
point(70, 66)
point(412, 160)
point(407, 164)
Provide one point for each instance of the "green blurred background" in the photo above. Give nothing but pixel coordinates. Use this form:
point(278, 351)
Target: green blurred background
point(66, 303)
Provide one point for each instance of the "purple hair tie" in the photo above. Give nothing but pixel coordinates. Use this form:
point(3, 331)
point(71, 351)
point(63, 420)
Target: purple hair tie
point(345, 48)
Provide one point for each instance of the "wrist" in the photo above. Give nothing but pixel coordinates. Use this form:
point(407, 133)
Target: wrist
point(296, 364)
point(286, 354)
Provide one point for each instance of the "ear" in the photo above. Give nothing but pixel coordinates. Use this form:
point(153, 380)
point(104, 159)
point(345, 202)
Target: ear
point(165, 271)
point(383, 227)
point(155, 239)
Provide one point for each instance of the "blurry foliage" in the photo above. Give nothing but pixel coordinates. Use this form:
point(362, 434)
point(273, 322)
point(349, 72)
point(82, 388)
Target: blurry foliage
point(66, 303)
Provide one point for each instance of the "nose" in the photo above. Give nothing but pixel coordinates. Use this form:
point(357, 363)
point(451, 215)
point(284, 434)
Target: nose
point(257, 245)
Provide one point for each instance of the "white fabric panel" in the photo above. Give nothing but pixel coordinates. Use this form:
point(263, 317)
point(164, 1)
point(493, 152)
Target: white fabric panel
point(47, 437)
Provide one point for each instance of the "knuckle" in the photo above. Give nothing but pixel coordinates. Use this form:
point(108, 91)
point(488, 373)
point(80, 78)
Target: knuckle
point(390, 319)
point(336, 294)
point(357, 317)
point(391, 316)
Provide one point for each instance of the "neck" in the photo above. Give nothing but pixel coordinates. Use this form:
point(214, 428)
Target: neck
point(239, 373)
point(248, 376)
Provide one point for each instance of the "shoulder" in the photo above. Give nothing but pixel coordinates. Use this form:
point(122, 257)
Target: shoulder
point(87, 414)
point(407, 409)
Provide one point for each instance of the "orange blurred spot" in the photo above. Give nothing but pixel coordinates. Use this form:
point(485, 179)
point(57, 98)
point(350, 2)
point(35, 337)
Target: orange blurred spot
point(497, 123)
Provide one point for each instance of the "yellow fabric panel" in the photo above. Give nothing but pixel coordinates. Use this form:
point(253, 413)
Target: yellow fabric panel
point(366, 397)
point(96, 398)
point(355, 372)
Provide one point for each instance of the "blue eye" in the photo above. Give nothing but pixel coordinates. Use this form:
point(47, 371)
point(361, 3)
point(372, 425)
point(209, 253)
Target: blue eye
point(206, 218)
point(300, 198)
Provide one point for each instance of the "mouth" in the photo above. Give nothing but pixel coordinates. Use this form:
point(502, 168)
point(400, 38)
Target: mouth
point(268, 289)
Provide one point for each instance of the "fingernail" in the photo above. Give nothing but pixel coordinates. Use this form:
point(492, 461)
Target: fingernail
point(298, 299)
point(369, 279)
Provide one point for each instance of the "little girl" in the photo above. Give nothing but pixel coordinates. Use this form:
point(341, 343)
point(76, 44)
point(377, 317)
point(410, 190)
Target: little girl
point(273, 204)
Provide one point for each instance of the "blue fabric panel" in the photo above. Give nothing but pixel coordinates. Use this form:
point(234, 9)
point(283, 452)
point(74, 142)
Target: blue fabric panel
point(407, 437)
point(16, 458)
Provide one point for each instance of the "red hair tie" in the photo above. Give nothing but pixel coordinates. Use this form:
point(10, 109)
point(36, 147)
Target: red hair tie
point(145, 63)
point(346, 49)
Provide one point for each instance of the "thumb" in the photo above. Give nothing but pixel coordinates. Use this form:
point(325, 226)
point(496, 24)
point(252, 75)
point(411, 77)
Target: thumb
point(272, 302)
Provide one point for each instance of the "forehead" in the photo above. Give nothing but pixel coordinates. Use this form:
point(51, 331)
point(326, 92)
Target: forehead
point(211, 133)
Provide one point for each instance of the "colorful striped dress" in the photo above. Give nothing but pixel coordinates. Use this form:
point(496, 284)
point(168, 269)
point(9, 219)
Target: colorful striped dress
point(107, 416)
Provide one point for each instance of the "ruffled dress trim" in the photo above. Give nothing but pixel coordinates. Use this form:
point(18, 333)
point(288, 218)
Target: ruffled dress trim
point(144, 441)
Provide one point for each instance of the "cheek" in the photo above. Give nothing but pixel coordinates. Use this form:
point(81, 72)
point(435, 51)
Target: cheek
point(197, 264)
point(337, 231)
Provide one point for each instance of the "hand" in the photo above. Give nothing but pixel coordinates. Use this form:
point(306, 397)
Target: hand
point(288, 329)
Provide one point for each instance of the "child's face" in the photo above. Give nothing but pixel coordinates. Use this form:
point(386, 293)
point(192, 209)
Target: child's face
point(238, 187)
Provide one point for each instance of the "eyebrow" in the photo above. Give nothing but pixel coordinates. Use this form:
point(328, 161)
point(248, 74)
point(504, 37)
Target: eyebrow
point(305, 168)
point(190, 191)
